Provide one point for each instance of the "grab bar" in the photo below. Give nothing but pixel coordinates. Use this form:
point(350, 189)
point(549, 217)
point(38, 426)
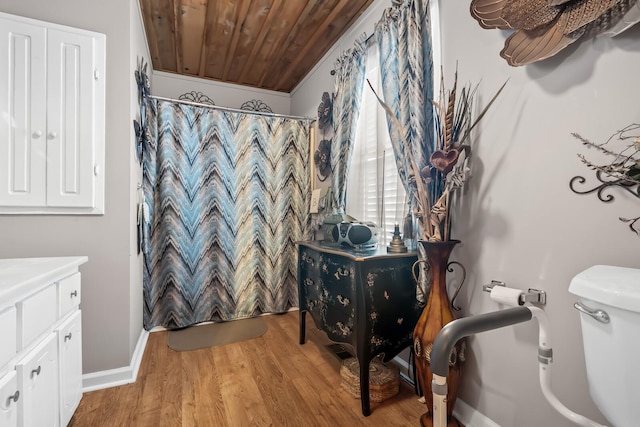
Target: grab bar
point(460, 328)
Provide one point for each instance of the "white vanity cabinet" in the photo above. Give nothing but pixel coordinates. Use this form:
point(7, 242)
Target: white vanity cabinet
point(41, 322)
point(52, 98)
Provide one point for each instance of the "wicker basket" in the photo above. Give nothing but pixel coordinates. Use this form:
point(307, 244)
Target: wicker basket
point(384, 381)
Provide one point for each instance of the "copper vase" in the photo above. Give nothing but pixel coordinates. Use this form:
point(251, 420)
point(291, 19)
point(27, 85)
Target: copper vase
point(435, 315)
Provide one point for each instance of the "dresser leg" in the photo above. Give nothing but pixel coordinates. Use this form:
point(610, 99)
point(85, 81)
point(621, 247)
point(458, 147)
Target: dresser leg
point(364, 387)
point(302, 314)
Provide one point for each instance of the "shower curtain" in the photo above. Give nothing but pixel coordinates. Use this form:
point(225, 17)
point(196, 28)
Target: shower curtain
point(227, 195)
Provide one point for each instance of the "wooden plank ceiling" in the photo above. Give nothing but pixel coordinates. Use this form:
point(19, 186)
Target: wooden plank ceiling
point(269, 44)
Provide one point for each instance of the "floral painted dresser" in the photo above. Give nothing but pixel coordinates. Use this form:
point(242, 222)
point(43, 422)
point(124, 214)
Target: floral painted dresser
point(366, 298)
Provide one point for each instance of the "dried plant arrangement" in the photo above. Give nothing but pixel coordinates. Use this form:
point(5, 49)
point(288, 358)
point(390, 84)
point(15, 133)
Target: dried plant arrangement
point(433, 184)
point(623, 147)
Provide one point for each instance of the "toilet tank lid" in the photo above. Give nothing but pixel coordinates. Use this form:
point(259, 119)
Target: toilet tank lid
point(607, 284)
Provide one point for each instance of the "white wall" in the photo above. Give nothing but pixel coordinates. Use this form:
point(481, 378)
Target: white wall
point(306, 97)
point(519, 222)
point(139, 50)
point(171, 85)
point(108, 286)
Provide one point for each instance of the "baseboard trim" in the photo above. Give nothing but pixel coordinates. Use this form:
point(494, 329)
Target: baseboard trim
point(119, 376)
point(404, 369)
point(470, 417)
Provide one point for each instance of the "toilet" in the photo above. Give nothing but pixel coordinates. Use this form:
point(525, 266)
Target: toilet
point(609, 306)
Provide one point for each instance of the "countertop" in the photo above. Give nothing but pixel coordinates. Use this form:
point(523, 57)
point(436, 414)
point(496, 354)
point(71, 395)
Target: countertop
point(20, 277)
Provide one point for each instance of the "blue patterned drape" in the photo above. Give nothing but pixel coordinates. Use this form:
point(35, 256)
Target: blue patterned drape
point(403, 36)
point(227, 196)
point(349, 83)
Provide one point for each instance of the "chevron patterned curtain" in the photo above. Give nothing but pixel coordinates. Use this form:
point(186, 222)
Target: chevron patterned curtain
point(403, 36)
point(349, 83)
point(227, 195)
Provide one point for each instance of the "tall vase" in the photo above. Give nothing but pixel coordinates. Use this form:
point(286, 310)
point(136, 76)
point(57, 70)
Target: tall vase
point(435, 315)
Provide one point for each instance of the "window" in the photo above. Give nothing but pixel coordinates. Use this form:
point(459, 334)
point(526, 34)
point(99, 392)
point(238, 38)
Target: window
point(374, 190)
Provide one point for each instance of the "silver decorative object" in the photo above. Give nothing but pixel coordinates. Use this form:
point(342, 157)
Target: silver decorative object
point(397, 244)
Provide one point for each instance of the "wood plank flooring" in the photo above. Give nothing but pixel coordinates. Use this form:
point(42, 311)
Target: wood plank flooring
point(267, 381)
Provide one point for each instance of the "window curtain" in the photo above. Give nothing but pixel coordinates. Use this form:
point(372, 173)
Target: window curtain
point(349, 84)
point(403, 36)
point(374, 190)
point(227, 196)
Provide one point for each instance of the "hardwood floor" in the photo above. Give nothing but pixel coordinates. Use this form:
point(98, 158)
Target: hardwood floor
point(267, 381)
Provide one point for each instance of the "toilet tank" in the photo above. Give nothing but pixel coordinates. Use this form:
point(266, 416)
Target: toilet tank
point(612, 349)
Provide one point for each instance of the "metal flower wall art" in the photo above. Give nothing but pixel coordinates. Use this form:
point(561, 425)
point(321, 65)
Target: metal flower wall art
point(144, 90)
point(623, 171)
point(325, 111)
point(542, 28)
point(321, 159)
point(197, 97)
point(256, 105)
point(322, 154)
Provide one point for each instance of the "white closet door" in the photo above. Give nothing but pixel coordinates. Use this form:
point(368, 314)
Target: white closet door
point(70, 119)
point(23, 158)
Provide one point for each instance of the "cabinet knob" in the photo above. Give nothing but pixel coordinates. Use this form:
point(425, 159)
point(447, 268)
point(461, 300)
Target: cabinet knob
point(74, 294)
point(13, 397)
point(37, 134)
point(36, 371)
point(52, 135)
point(67, 337)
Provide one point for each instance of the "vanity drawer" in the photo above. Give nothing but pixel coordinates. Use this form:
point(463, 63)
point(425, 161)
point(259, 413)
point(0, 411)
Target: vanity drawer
point(8, 338)
point(69, 293)
point(36, 314)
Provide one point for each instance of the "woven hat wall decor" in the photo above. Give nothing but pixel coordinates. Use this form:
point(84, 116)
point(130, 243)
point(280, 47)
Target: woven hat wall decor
point(545, 27)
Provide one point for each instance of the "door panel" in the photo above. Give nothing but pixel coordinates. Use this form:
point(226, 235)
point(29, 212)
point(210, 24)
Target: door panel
point(70, 120)
point(22, 114)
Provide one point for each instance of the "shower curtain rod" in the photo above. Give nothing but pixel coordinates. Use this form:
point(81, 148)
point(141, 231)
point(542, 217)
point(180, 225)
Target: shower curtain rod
point(233, 110)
